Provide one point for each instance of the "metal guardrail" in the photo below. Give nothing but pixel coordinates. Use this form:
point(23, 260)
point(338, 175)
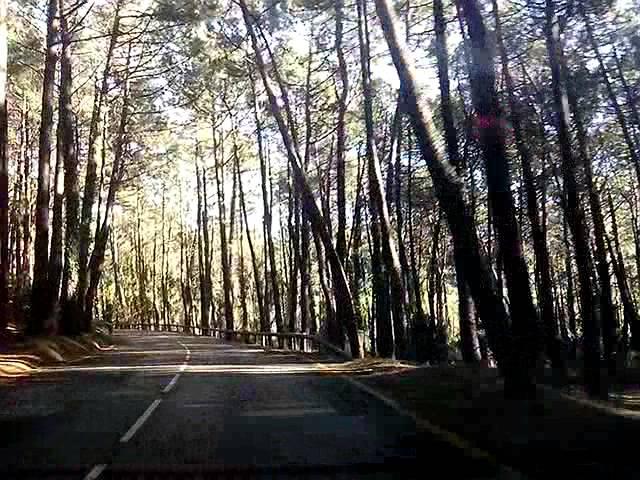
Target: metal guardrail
point(298, 342)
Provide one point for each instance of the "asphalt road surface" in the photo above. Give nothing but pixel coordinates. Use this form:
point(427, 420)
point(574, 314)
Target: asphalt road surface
point(171, 406)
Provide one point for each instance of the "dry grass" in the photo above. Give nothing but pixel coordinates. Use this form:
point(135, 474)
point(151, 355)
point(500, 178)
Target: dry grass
point(19, 358)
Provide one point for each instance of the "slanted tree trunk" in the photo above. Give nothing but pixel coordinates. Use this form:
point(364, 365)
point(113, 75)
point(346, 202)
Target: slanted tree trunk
point(305, 234)
point(90, 191)
point(574, 210)
point(376, 190)
point(470, 346)
point(102, 233)
point(607, 310)
point(450, 196)
point(632, 103)
point(40, 309)
point(4, 173)
point(613, 99)
point(264, 324)
point(341, 242)
point(541, 251)
point(318, 223)
point(268, 222)
point(631, 318)
point(489, 121)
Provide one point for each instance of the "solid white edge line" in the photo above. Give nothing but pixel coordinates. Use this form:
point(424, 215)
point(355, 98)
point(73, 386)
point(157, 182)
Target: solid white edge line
point(143, 418)
point(172, 383)
point(95, 472)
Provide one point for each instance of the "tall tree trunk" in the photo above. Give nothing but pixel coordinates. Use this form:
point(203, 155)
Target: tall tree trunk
point(4, 173)
point(305, 234)
point(631, 317)
point(70, 321)
point(115, 262)
point(329, 306)
point(607, 310)
point(389, 252)
point(571, 312)
point(341, 243)
point(40, 309)
point(432, 269)
point(613, 99)
point(25, 261)
point(90, 191)
point(294, 240)
point(492, 139)
point(632, 103)
point(541, 251)
point(397, 201)
point(55, 256)
point(268, 222)
point(450, 196)
point(574, 209)
point(470, 346)
point(205, 303)
point(102, 234)
point(264, 324)
point(318, 223)
point(154, 288)
point(224, 246)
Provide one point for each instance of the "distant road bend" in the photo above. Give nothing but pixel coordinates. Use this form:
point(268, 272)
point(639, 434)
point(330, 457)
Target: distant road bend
point(172, 406)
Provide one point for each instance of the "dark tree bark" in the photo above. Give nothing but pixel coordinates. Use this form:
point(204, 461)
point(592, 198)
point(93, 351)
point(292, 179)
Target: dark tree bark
point(574, 210)
point(205, 303)
point(102, 234)
point(450, 196)
point(115, 262)
point(306, 295)
point(470, 347)
point(632, 102)
point(268, 222)
point(264, 324)
point(631, 318)
point(382, 309)
point(89, 193)
point(606, 308)
point(70, 322)
point(25, 261)
point(318, 223)
point(541, 251)
point(4, 173)
point(294, 242)
point(40, 289)
point(341, 242)
point(224, 246)
point(55, 257)
point(571, 312)
point(376, 190)
point(489, 120)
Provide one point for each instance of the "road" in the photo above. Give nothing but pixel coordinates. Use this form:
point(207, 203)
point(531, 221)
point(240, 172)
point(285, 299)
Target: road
point(187, 407)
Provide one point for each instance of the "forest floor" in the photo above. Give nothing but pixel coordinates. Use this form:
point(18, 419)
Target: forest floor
point(24, 356)
point(551, 434)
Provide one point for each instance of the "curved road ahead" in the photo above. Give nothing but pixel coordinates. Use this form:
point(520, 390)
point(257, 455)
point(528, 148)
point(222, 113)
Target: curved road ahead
point(186, 407)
